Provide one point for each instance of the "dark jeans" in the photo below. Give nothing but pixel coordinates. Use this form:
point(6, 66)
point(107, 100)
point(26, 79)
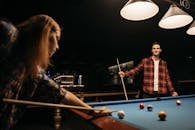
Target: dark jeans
point(155, 94)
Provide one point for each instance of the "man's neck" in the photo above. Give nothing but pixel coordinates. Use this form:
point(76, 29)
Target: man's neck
point(155, 57)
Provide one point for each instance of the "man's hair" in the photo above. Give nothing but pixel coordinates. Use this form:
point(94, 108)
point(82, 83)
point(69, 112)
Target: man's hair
point(156, 43)
point(7, 32)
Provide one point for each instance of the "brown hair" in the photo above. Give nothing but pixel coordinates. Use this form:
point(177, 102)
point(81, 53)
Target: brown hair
point(32, 49)
point(155, 43)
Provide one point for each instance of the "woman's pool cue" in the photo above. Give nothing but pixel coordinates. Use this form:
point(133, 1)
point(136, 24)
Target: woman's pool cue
point(43, 104)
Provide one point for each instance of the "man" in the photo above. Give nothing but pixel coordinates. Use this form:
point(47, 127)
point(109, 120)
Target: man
point(156, 78)
point(8, 34)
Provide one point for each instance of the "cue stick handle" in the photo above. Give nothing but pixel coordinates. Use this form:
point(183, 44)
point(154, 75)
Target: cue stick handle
point(124, 88)
point(26, 102)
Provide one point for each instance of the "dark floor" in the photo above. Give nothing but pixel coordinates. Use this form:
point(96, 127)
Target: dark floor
point(38, 118)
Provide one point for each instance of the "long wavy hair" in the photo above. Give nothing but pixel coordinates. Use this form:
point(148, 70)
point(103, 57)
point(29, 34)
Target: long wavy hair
point(32, 47)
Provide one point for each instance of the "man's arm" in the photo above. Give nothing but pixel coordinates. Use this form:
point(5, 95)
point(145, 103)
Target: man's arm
point(169, 83)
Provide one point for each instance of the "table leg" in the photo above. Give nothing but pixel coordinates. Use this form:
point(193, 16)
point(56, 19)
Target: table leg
point(57, 118)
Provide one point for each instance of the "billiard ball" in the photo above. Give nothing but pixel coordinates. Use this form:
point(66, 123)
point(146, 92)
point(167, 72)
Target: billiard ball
point(178, 102)
point(141, 105)
point(150, 107)
point(162, 115)
point(121, 114)
point(158, 98)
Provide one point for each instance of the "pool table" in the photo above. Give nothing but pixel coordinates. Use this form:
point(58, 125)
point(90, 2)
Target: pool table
point(179, 117)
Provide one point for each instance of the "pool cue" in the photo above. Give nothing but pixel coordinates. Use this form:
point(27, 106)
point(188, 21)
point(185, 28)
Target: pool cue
point(43, 104)
point(124, 88)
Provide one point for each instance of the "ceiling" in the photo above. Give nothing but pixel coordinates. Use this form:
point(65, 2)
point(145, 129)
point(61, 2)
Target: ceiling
point(94, 33)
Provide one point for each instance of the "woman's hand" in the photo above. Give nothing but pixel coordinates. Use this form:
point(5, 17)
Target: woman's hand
point(103, 111)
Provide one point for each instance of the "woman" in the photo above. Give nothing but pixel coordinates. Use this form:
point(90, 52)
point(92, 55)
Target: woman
point(29, 58)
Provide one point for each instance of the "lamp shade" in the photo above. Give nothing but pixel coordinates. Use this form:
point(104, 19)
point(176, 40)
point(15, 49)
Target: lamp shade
point(175, 18)
point(137, 10)
point(191, 30)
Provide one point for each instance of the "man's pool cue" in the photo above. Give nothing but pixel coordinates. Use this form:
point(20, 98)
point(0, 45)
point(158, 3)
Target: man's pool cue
point(124, 88)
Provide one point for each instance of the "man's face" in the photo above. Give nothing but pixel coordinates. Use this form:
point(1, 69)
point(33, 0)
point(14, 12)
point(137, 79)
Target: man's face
point(156, 50)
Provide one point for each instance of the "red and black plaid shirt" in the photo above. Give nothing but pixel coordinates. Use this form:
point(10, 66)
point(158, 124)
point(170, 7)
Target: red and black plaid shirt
point(165, 85)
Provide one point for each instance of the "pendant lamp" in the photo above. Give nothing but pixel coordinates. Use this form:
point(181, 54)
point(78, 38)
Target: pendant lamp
point(175, 18)
point(137, 10)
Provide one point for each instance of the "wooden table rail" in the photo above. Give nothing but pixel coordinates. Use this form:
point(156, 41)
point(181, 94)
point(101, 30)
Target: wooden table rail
point(104, 94)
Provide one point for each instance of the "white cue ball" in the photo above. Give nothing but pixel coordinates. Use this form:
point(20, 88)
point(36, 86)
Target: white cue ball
point(121, 114)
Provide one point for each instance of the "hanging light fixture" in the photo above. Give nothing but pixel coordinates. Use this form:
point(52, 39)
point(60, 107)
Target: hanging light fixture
point(191, 30)
point(175, 18)
point(137, 10)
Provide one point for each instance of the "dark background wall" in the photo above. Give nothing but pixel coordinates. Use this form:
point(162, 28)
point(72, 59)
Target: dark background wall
point(94, 35)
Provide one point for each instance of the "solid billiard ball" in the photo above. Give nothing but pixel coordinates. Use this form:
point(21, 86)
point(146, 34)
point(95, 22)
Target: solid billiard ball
point(150, 107)
point(121, 114)
point(178, 102)
point(141, 105)
point(162, 115)
point(158, 98)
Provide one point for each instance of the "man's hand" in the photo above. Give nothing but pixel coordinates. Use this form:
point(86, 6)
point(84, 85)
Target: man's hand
point(121, 74)
point(174, 94)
